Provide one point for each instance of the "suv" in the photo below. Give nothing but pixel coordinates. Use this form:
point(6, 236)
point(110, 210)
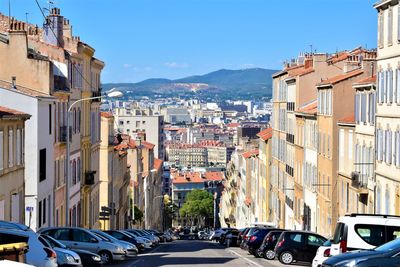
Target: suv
point(80, 238)
point(364, 231)
point(297, 246)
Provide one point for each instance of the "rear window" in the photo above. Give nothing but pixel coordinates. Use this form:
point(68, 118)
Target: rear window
point(252, 231)
point(296, 237)
point(393, 232)
point(371, 234)
point(339, 233)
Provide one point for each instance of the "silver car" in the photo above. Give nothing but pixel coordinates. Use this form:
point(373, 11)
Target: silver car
point(142, 240)
point(38, 254)
point(65, 257)
point(80, 238)
point(130, 249)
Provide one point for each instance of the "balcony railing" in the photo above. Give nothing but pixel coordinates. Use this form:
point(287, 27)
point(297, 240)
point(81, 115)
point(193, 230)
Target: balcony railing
point(61, 84)
point(96, 94)
point(89, 177)
point(359, 181)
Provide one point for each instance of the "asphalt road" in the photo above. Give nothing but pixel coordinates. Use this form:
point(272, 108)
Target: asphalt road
point(194, 253)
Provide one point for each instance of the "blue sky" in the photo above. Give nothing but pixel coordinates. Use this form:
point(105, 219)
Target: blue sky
point(140, 39)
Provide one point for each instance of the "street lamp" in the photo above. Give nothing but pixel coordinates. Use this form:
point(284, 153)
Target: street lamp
point(113, 93)
point(146, 198)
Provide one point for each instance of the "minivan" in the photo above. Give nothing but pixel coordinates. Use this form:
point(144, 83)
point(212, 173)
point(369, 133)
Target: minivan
point(364, 231)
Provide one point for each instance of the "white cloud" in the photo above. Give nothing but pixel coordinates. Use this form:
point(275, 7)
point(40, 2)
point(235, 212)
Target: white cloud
point(126, 65)
point(175, 65)
point(248, 66)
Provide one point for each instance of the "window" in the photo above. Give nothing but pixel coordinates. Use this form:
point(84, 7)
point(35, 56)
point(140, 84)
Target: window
point(381, 29)
point(40, 214)
point(61, 234)
point(50, 119)
point(296, 237)
point(42, 165)
point(372, 234)
point(44, 210)
point(390, 26)
point(137, 124)
point(1, 150)
point(10, 148)
point(81, 236)
point(314, 240)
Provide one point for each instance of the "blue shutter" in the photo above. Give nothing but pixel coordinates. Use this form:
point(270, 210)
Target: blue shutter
point(390, 86)
point(356, 108)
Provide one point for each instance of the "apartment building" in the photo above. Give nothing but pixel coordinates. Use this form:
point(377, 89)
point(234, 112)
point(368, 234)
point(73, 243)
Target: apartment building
point(335, 101)
point(133, 119)
point(12, 170)
point(387, 163)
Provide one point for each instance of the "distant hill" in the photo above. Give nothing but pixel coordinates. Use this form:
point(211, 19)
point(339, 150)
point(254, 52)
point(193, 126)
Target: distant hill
point(253, 82)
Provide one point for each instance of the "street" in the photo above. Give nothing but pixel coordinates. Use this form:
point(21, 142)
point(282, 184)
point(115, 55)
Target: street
point(200, 253)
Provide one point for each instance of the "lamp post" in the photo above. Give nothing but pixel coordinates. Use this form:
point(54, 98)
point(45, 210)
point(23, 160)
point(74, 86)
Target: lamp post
point(146, 199)
point(113, 93)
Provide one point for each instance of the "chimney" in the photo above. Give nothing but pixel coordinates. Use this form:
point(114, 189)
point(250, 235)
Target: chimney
point(308, 62)
point(67, 29)
point(53, 28)
point(14, 82)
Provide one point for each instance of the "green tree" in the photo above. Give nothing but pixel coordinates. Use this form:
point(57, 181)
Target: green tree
point(199, 204)
point(138, 214)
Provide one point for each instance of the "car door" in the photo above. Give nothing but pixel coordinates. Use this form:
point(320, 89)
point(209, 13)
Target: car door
point(296, 245)
point(84, 240)
point(313, 242)
point(63, 235)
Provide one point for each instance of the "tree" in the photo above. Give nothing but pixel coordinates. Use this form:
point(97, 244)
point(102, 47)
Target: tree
point(199, 204)
point(138, 214)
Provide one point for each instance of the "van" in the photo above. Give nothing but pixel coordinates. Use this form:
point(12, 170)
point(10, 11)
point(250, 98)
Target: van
point(364, 231)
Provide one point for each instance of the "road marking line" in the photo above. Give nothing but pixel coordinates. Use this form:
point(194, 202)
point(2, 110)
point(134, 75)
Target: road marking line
point(246, 259)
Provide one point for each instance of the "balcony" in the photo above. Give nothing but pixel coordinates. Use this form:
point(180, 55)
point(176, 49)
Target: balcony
point(359, 182)
point(89, 178)
point(61, 84)
point(97, 94)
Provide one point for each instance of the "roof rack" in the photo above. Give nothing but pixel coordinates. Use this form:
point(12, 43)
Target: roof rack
point(374, 215)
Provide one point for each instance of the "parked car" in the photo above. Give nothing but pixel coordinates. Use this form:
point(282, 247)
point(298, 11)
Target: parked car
point(146, 242)
point(323, 253)
point(87, 258)
point(38, 254)
point(144, 235)
point(256, 240)
point(384, 255)
point(216, 234)
point(121, 235)
point(242, 236)
point(65, 257)
point(80, 238)
point(297, 246)
point(364, 231)
point(231, 238)
point(266, 249)
point(246, 237)
point(131, 250)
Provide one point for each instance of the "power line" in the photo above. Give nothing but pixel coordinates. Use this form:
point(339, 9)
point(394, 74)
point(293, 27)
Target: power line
point(60, 44)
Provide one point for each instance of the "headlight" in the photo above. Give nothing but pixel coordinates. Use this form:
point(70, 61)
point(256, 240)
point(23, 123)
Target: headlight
point(96, 258)
point(120, 249)
point(352, 263)
point(69, 258)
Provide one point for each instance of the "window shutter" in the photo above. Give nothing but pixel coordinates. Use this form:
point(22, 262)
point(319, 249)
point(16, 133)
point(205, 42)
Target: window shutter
point(398, 84)
point(398, 23)
point(1, 151)
point(10, 148)
point(18, 147)
point(390, 146)
point(390, 87)
point(385, 86)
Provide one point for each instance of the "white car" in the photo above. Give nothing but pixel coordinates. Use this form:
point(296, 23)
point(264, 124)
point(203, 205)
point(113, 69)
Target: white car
point(364, 231)
point(322, 254)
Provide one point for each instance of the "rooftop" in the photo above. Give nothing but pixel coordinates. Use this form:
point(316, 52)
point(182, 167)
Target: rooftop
point(265, 134)
point(7, 113)
point(251, 153)
point(347, 120)
point(196, 177)
point(340, 78)
point(366, 81)
point(309, 108)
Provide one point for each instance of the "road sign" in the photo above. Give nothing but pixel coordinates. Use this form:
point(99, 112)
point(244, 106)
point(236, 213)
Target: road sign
point(29, 209)
point(104, 213)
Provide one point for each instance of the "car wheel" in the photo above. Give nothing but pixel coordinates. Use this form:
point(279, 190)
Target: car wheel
point(269, 255)
point(286, 257)
point(105, 256)
point(258, 253)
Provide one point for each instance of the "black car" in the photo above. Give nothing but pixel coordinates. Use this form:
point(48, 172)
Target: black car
point(266, 249)
point(384, 255)
point(297, 246)
point(125, 237)
point(229, 238)
point(246, 237)
point(256, 239)
point(87, 258)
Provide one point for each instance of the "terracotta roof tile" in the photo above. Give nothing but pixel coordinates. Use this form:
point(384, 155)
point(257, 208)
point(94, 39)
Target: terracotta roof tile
point(265, 134)
point(251, 153)
point(367, 80)
point(197, 177)
point(233, 125)
point(148, 145)
point(348, 119)
point(300, 72)
point(157, 163)
point(309, 108)
point(107, 115)
point(341, 77)
point(12, 113)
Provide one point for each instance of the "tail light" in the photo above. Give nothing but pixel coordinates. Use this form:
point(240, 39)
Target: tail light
point(50, 253)
point(252, 238)
point(280, 243)
point(343, 246)
point(327, 252)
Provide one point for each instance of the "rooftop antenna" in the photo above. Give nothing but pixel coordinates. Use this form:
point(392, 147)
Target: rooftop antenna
point(26, 16)
point(9, 14)
point(311, 49)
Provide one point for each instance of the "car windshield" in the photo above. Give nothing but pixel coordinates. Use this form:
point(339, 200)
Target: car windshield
point(54, 243)
point(101, 237)
point(105, 235)
point(392, 245)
